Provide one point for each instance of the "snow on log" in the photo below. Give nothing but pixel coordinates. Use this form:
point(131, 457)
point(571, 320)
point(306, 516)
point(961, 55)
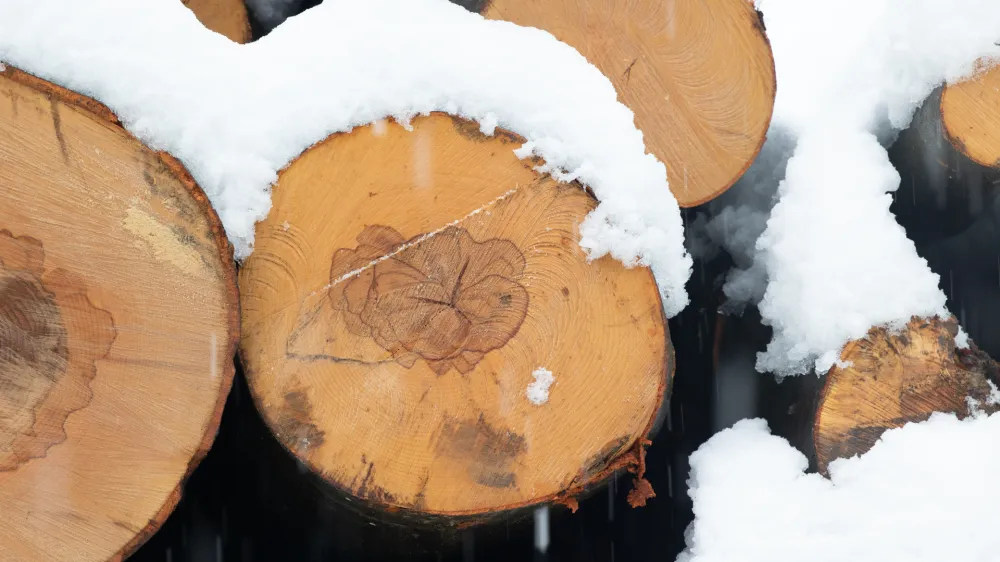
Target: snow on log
point(405, 289)
point(892, 377)
point(970, 110)
point(118, 325)
point(698, 75)
point(228, 17)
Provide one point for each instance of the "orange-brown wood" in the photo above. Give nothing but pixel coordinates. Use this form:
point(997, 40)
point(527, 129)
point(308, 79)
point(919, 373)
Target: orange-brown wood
point(118, 323)
point(227, 17)
point(970, 111)
point(698, 74)
point(896, 377)
point(404, 289)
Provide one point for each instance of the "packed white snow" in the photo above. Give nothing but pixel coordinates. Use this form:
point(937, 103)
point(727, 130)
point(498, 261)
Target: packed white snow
point(961, 339)
point(849, 73)
point(538, 391)
point(236, 114)
point(925, 493)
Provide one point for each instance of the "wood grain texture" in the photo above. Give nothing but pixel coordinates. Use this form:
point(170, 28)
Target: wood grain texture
point(894, 378)
point(227, 17)
point(699, 76)
point(970, 111)
point(402, 291)
point(118, 322)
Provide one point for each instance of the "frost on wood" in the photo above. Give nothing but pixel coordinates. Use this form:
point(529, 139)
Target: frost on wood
point(755, 502)
point(538, 391)
point(850, 74)
point(235, 114)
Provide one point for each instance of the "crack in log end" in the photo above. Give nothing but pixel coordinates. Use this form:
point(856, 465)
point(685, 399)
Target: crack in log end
point(131, 529)
point(470, 130)
point(627, 75)
point(295, 426)
point(57, 125)
point(14, 98)
point(59, 93)
point(489, 452)
point(475, 6)
point(420, 500)
point(372, 492)
point(51, 337)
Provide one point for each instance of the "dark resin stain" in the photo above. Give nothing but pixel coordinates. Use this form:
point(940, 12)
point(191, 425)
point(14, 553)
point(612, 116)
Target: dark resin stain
point(32, 335)
point(489, 452)
point(36, 361)
point(603, 458)
point(295, 425)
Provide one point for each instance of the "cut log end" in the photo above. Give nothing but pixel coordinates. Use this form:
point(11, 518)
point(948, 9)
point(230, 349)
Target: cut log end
point(117, 305)
point(895, 377)
point(699, 77)
point(970, 111)
point(226, 17)
point(406, 291)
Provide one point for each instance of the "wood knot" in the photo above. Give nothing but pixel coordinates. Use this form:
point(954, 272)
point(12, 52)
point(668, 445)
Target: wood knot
point(443, 298)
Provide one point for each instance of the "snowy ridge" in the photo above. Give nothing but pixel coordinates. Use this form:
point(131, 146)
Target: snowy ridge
point(236, 114)
point(924, 493)
point(849, 74)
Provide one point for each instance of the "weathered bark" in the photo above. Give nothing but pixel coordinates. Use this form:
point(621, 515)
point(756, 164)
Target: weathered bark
point(895, 377)
point(227, 17)
point(402, 292)
point(970, 111)
point(118, 323)
point(698, 75)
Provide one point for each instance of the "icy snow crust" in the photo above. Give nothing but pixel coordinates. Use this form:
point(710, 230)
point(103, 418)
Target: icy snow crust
point(848, 74)
point(236, 114)
point(925, 493)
